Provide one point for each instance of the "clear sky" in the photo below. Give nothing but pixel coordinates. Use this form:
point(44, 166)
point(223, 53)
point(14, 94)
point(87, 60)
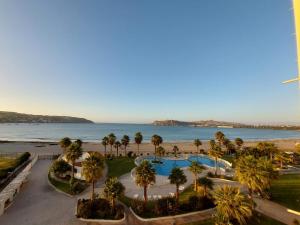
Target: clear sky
point(137, 61)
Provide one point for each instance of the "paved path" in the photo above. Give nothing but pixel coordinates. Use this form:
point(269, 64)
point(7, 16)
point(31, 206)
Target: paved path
point(39, 204)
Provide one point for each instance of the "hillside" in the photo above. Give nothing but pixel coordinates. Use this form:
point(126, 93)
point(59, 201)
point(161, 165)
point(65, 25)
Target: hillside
point(13, 117)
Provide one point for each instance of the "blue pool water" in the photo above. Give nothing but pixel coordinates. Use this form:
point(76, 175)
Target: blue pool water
point(168, 164)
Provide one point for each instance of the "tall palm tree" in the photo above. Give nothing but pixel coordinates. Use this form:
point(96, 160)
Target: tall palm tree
point(92, 170)
point(113, 190)
point(219, 136)
point(104, 142)
point(197, 143)
point(79, 142)
point(212, 144)
point(196, 168)
point(178, 178)
point(267, 148)
point(175, 150)
point(111, 141)
point(117, 145)
point(205, 183)
point(232, 205)
point(65, 143)
point(138, 140)
point(161, 151)
point(283, 158)
point(216, 153)
point(73, 153)
point(145, 176)
point(156, 140)
point(125, 142)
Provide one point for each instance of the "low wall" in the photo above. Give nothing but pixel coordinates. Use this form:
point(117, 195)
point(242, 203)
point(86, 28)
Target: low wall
point(177, 219)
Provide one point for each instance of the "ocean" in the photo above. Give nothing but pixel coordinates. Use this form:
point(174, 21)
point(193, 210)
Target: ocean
point(95, 132)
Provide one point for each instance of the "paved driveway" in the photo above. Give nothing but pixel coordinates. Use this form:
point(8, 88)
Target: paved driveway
point(39, 204)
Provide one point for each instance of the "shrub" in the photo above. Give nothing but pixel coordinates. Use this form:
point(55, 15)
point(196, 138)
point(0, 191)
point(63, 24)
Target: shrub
point(60, 167)
point(76, 186)
point(129, 154)
point(138, 206)
point(23, 158)
point(165, 206)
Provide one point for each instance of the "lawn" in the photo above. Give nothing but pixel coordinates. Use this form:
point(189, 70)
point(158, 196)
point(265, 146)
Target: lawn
point(258, 220)
point(65, 187)
point(119, 166)
point(286, 191)
point(7, 162)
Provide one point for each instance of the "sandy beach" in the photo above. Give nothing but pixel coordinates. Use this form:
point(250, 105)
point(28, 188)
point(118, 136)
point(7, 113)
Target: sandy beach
point(54, 148)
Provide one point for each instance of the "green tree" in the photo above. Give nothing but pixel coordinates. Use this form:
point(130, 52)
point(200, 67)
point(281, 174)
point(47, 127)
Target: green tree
point(111, 141)
point(282, 158)
point(197, 143)
point(145, 176)
point(205, 183)
point(65, 143)
point(178, 178)
point(59, 167)
point(73, 153)
point(161, 151)
point(215, 153)
point(196, 168)
point(212, 144)
point(232, 206)
point(138, 140)
point(79, 142)
point(104, 142)
point(175, 150)
point(219, 136)
point(156, 140)
point(125, 142)
point(239, 143)
point(92, 170)
point(268, 149)
point(117, 145)
point(113, 189)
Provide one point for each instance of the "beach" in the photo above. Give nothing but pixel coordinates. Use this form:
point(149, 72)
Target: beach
point(54, 148)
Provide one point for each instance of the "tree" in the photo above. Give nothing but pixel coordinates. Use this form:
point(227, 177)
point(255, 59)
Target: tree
point(138, 140)
point(232, 205)
point(215, 153)
point(282, 158)
point(256, 174)
point(111, 141)
point(268, 149)
point(79, 142)
point(175, 150)
point(73, 153)
point(113, 190)
point(60, 167)
point(125, 142)
point(196, 168)
point(145, 176)
point(205, 183)
point(197, 143)
point(177, 177)
point(117, 145)
point(212, 144)
point(161, 151)
point(239, 143)
point(92, 169)
point(219, 136)
point(65, 143)
point(104, 142)
point(156, 140)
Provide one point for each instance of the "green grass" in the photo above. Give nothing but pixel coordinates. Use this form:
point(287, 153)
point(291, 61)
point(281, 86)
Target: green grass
point(65, 187)
point(119, 166)
point(8, 162)
point(187, 193)
point(257, 220)
point(286, 191)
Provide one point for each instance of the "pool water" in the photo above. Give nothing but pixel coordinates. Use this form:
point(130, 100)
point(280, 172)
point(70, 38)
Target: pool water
point(165, 168)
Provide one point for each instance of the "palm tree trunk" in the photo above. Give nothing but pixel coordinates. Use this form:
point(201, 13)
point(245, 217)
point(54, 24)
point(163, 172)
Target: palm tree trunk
point(145, 196)
point(138, 149)
point(216, 160)
point(73, 170)
point(110, 149)
point(195, 183)
point(177, 194)
point(117, 151)
point(154, 152)
point(93, 189)
point(125, 151)
point(104, 150)
point(281, 164)
point(113, 204)
point(204, 190)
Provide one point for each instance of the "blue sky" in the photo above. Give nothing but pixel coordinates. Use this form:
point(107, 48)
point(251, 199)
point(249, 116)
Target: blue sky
point(137, 61)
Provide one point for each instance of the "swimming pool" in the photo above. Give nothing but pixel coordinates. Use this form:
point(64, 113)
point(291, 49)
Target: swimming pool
point(165, 168)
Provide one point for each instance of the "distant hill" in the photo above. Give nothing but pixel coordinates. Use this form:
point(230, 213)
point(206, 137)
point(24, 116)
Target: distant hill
point(221, 124)
point(13, 117)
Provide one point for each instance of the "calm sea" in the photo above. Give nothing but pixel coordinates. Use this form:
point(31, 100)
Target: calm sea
point(95, 132)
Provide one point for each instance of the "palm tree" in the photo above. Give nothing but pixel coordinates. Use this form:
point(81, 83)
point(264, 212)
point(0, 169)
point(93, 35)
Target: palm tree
point(216, 153)
point(104, 143)
point(73, 152)
point(177, 177)
point(196, 168)
point(212, 144)
point(161, 151)
point(267, 148)
point(113, 190)
point(197, 143)
point(111, 141)
point(138, 140)
point(65, 143)
point(256, 174)
point(283, 158)
point(117, 145)
point(79, 142)
point(205, 183)
point(219, 136)
point(156, 140)
point(125, 142)
point(239, 143)
point(232, 205)
point(175, 150)
point(145, 176)
point(92, 169)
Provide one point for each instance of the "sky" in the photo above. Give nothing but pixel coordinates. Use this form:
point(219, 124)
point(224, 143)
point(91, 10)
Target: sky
point(137, 61)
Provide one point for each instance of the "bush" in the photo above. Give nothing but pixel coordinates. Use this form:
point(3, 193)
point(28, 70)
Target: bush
point(129, 154)
point(165, 206)
point(23, 158)
point(98, 209)
point(60, 167)
point(76, 186)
